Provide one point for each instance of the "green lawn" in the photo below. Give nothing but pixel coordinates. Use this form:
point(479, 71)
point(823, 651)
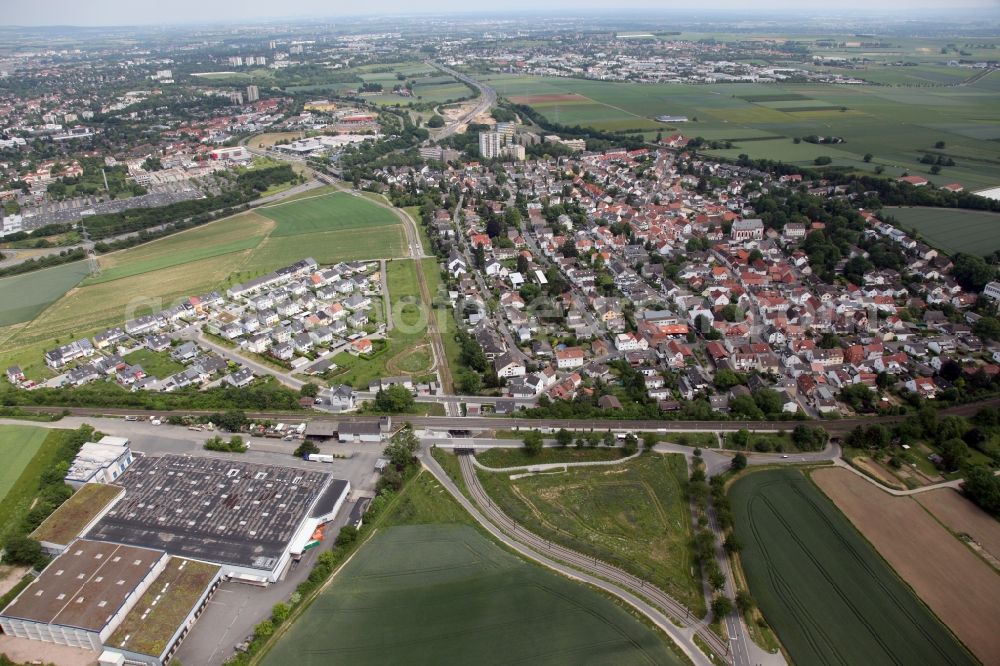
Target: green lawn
point(430, 589)
point(157, 364)
point(332, 212)
point(22, 297)
point(404, 293)
point(822, 587)
point(633, 515)
point(952, 230)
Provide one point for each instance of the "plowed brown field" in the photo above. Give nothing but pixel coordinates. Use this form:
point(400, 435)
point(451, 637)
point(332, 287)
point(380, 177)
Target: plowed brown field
point(957, 585)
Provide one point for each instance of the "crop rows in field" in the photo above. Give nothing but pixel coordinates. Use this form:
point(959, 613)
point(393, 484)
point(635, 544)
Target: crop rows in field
point(825, 591)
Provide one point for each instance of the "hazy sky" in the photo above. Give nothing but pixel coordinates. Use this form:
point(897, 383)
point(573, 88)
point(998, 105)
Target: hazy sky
point(134, 12)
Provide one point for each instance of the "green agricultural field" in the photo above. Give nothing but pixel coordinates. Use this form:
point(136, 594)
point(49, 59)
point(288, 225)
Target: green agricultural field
point(322, 214)
point(330, 247)
point(894, 123)
point(22, 297)
point(951, 230)
point(822, 587)
point(18, 445)
point(634, 515)
point(27, 451)
point(240, 232)
point(428, 588)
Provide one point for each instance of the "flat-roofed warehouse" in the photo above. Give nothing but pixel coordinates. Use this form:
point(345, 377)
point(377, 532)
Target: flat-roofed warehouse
point(246, 517)
point(82, 596)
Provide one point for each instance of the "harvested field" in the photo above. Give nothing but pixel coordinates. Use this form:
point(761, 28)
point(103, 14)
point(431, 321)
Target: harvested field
point(959, 587)
point(962, 516)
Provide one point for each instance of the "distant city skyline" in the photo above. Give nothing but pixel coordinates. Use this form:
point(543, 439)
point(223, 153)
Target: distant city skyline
point(118, 12)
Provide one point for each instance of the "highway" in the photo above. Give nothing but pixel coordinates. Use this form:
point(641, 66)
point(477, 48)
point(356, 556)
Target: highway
point(487, 98)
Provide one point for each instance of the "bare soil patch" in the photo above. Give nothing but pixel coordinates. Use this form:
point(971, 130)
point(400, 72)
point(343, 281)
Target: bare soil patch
point(959, 587)
point(962, 516)
point(11, 576)
point(876, 470)
point(27, 651)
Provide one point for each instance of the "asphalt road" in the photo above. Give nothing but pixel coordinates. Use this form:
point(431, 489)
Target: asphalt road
point(681, 635)
point(600, 570)
point(487, 98)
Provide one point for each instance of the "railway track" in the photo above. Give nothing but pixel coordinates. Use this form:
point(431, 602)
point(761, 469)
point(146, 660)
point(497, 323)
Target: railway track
point(471, 423)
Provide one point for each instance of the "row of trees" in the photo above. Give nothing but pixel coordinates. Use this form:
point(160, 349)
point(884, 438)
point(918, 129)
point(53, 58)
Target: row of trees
point(263, 396)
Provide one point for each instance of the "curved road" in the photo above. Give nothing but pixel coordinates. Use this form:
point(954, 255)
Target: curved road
point(682, 636)
point(676, 612)
point(487, 98)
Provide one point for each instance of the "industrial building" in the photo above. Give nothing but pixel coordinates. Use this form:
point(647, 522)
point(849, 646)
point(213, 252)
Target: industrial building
point(83, 595)
point(137, 604)
point(100, 462)
point(156, 544)
point(248, 518)
point(366, 431)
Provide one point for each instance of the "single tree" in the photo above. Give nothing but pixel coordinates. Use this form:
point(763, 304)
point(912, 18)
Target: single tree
point(739, 462)
point(394, 399)
point(306, 448)
point(721, 607)
point(533, 442)
point(744, 602)
point(630, 445)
